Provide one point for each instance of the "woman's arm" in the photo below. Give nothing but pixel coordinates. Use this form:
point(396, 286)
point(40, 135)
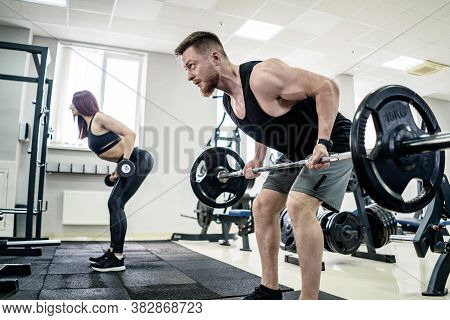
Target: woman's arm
point(118, 127)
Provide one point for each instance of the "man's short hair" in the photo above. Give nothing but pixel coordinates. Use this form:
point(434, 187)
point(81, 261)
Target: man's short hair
point(202, 41)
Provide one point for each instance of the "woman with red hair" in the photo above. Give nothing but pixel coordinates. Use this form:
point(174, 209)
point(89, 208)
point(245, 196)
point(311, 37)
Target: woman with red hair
point(112, 141)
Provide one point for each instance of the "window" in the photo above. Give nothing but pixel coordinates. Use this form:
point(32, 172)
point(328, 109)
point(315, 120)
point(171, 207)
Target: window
point(116, 78)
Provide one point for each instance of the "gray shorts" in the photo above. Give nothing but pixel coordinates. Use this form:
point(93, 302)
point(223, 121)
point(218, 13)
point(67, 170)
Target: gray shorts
point(328, 185)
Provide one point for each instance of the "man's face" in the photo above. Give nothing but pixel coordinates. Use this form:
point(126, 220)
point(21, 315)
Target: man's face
point(200, 70)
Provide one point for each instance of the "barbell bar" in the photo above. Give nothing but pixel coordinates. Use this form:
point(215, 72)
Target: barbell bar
point(223, 175)
point(436, 142)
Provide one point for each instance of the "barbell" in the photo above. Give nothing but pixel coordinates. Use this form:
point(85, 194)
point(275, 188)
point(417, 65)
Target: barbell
point(402, 152)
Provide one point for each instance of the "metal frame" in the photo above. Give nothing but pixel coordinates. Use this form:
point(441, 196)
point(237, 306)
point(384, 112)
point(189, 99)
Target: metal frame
point(39, 55)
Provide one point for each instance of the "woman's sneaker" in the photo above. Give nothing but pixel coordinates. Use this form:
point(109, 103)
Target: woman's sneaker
point(101, 258)
point(111, 263)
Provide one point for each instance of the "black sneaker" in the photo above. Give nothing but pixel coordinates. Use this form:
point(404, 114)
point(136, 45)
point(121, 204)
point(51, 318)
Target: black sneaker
point(101, 258)
point(111, 263)
point(264, 293)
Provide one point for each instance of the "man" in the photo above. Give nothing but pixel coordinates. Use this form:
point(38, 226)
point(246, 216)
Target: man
point(295, 112)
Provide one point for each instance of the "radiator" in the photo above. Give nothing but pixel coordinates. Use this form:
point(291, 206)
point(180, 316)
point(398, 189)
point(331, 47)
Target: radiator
point(85, 208)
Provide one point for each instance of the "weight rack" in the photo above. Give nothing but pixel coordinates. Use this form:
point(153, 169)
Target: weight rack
point(41, 117)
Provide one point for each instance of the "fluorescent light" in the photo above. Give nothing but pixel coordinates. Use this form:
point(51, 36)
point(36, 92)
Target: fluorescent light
point(258, 30)
point(59, 3)
point(403, 63)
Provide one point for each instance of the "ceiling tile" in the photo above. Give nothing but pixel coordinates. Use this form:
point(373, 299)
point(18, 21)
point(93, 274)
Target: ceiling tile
point(278, 13)
point(443, 13)
point(347, 30)
point(315, 22)
point(220, 23)
point(377, 14)
point(427, 7)
point(169, 32)
point(381, 73)
point(337, 47)
point(405, 46)
point(201, 4)
point(301, 3)
point(138, 9)
point(102, 6)
point(270, 50)
point(303, 58)
point(334, 64)
point(360, 69)
point(434, 53)
point(238, 8)
point(403, 21)
point(376, 38)
point(406, 4)
point(43, 13)
point(431, 32)
point(11, 9)
point(291, 37)
point(242, 45)
point(88, 20)
point(342, 8)
point(239, 58)
point(180, 15)
point(131, 26)
point(379, 57)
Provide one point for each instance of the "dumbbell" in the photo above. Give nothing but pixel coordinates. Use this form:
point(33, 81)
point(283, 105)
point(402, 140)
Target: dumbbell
point(108, 182)
point(126, 168)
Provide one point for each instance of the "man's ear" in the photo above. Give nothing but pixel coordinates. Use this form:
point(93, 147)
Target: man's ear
point(216, 58)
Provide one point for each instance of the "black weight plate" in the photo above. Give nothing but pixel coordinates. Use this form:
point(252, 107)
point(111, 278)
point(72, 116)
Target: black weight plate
point(391, 220)
point(204, 214)
point(206, 185)
point(323, 219)
point(386, 227)
point(287, 233)
point(376, 226)
point(384, 173)
point(338, 234)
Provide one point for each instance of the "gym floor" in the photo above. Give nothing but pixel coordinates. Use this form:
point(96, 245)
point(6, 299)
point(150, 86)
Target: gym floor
point(344, 276)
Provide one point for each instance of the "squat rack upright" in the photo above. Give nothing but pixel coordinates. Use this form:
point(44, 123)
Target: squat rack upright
point(40, 58)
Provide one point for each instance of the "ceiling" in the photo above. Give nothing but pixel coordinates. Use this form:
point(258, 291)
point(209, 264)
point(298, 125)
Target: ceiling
point(331, 37)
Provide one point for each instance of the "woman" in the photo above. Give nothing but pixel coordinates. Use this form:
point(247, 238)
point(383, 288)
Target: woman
point(112, 141)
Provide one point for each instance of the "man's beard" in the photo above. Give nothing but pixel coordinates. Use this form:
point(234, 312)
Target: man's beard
point(210, 84)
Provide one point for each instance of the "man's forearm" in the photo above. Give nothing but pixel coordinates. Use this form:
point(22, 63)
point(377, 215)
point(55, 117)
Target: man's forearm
point(260, 151)
point(327, 104)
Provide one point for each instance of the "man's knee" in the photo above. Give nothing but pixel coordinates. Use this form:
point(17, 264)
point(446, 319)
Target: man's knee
point(266, 206)
point(301, 205)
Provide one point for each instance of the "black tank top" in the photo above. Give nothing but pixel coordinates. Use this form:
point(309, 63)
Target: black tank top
point(101, 143)
point(293, 133)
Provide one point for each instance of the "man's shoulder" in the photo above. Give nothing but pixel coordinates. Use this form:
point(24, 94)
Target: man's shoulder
point(266, 73)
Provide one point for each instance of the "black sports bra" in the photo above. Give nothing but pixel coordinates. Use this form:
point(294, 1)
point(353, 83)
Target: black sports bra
point(102, 143)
